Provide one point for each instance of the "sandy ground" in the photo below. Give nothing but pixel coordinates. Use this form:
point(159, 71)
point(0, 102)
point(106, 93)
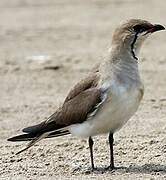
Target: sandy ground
point(73, 36)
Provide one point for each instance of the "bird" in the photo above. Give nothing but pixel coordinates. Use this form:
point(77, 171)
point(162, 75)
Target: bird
point(105, 99)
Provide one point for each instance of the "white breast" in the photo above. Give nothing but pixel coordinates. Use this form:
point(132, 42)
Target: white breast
point(120, 105)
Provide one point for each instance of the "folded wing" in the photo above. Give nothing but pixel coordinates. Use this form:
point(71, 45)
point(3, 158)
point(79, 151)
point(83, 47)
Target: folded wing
point(75, 109)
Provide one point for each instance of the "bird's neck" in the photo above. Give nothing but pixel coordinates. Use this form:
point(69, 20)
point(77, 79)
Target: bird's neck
point(120, 64)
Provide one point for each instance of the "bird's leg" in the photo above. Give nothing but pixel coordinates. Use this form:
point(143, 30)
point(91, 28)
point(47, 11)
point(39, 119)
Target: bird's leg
point(111, 141)
point(91, 151)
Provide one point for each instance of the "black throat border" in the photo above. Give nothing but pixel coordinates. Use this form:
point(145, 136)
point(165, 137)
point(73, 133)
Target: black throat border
point(132, 47)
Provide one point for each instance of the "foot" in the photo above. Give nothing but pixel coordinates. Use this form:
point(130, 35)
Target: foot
point(111, 168)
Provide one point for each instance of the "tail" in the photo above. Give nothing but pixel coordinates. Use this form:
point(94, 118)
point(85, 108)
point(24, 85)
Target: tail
point(38, 132)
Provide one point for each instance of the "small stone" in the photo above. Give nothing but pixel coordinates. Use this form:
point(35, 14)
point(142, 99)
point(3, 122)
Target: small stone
point(47, 164)
point(153, 100)
point(153, 142)
point(163, 99)
point(157, 155)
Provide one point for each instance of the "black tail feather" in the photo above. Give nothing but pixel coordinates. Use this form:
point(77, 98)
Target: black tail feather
point(31, 136)
point(23, 137)
point(37, 132)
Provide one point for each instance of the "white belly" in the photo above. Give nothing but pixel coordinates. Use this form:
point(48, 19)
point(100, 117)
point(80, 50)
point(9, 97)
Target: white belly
point(114, 113)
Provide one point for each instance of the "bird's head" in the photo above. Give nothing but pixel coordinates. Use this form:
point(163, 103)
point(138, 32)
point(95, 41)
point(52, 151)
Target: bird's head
point(132, 34)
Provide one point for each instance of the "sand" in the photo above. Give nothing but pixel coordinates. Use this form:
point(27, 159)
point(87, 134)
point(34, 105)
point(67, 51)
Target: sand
point(45, 48)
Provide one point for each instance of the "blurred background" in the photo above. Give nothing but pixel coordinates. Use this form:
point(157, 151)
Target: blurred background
point(45, 48)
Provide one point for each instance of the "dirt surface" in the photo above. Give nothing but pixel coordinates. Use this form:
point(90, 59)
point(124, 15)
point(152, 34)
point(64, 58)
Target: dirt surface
point(70, 37)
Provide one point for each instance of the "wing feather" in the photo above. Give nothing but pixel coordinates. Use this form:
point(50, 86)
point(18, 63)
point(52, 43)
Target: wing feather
point(81, 101)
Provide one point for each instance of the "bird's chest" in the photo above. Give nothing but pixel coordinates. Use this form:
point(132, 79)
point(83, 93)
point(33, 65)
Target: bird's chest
point(121, 103)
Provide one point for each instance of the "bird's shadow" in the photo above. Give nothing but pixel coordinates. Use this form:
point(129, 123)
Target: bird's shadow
point(144, 169)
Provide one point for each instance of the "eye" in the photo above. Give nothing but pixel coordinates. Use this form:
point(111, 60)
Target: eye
point(140, 28)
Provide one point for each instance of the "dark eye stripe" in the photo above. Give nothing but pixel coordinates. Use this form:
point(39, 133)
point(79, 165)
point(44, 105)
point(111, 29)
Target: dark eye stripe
point(141, 27)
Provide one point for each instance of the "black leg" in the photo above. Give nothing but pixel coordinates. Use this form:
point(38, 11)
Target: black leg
point(111, 141)
point(91, 151)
